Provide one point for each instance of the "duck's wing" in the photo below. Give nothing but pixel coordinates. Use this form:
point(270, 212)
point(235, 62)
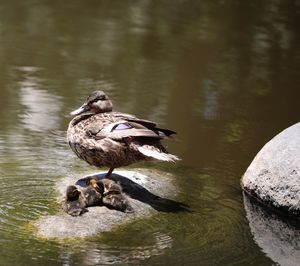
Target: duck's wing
point(142, 123)
point(126, 129)
point(133, 118)
point(142, 134)
point(117, 125)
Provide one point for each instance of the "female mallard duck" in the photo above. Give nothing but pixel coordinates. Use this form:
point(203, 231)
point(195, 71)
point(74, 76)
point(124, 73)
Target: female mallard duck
point(102, 137)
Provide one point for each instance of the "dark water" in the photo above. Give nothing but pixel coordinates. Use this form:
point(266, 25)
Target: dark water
point(224, 74)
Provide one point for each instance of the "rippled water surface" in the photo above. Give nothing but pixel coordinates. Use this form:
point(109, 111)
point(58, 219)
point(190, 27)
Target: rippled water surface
point(224, 74)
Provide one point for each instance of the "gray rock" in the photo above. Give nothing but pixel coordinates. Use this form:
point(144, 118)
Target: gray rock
point(273, 177)
point(148, 191)
point(278, 239)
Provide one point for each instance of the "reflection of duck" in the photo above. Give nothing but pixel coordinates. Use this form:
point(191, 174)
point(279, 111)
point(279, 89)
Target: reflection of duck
point(112, 139)
point(74, 203)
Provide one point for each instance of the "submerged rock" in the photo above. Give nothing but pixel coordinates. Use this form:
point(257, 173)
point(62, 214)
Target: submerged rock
point(273, 177)
point(147, 191)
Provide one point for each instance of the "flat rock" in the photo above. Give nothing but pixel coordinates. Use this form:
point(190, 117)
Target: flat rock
point(273, 177)
point(148, 191)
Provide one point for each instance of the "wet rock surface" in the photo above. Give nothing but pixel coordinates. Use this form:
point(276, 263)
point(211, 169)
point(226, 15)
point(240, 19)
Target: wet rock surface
point(147, 192)
point(273, 177)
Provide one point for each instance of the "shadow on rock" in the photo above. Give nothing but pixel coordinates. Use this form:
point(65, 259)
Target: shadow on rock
point(277, 235)
point(138, 192)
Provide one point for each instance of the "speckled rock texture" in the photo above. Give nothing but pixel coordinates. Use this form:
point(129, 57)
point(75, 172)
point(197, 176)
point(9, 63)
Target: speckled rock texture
point(273, 177)
point(278, 238)
point(148, 192)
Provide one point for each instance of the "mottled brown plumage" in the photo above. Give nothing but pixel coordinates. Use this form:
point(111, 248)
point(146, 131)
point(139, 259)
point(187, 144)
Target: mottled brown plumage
point(113, 196)
point(93, 194)
point(112, 139)
point(111, 193)
point(74, 202)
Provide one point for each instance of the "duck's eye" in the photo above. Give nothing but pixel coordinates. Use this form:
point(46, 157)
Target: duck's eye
point(101, 98)
point(95, 98)
point(122, 126)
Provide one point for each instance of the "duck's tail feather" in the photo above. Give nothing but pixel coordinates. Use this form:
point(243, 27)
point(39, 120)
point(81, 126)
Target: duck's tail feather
point(157, 154)
point(162, 132)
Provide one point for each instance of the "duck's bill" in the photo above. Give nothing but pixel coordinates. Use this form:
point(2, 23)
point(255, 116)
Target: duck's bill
point(80, 110)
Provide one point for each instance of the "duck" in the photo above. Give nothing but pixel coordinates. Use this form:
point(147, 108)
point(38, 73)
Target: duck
point(111, 193)
point(94, 183)
point(113, 196)
point(74, 202)
point(104, 138)
point(93, 193)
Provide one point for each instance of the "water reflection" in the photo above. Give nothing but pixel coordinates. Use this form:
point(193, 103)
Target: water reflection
point(93, 255)
point(41, 109)
point(130, 255)
point(210, 105)
point(223, 74)
point(277, 238)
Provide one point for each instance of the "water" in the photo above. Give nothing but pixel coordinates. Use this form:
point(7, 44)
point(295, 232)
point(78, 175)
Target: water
point(223, 74)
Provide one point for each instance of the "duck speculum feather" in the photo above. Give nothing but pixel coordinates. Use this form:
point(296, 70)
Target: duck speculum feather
point(102, 137)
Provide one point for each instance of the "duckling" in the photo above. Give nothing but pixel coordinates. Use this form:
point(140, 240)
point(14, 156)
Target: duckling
point(93, 193)
point(96, 184)
point(74, 202)
point(102, 137)
point(113, 197)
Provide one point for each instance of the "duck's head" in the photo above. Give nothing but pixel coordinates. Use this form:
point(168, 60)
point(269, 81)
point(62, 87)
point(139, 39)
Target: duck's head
point(72, 193)
point(112, 188)
point(96, 184)
point(91, 182)
point(96, 102)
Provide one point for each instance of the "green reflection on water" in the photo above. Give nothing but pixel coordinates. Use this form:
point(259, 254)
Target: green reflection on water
point(224, 74)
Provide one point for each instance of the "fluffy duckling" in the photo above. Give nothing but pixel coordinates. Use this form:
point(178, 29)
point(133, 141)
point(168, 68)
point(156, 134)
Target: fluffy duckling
point(74, 202)
point(93, 193)
point(113, 196)
point(96, 184)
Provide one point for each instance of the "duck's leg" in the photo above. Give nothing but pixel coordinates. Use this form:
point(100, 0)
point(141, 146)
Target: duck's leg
point(108, 175)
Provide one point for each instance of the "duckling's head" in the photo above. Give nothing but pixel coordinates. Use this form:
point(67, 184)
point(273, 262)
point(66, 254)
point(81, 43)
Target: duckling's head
point(72, 193)
point(92, 182)
point(113, 188)
point(96, 102)
point(96, 184)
